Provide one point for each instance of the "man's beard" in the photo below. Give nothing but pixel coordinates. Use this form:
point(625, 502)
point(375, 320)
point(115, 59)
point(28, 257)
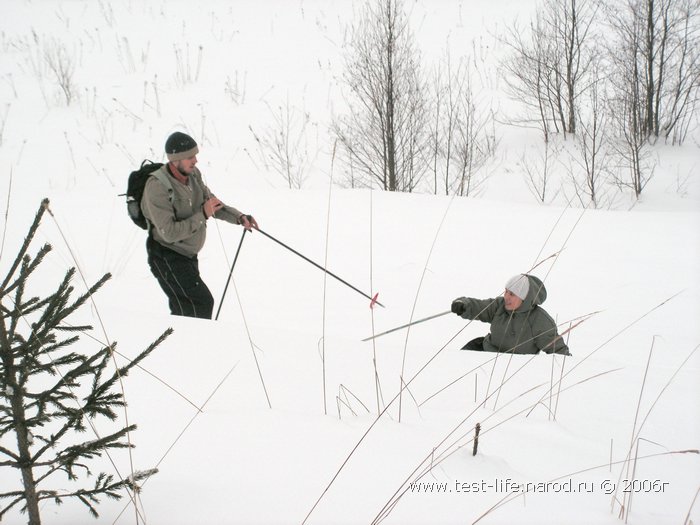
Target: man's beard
point(185, 172)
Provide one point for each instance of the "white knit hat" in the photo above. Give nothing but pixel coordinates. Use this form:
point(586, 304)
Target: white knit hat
point(519, 285)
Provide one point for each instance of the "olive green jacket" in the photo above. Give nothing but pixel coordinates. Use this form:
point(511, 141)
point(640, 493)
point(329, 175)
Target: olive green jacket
point(176, 216)
point(526, 330)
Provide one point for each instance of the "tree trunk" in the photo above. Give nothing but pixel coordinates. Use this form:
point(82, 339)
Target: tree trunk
point(649, 123)
point(23, 439)
point(391, 138)
point(571, 57)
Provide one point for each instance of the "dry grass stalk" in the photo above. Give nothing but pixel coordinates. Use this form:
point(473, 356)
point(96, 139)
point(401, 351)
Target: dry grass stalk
point(616, 335)
point(458, 443)
point(512, 496)
point(415, 301)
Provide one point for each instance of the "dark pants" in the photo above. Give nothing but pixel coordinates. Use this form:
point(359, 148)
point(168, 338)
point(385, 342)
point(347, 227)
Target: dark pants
point(475, 344)
point(179, 278)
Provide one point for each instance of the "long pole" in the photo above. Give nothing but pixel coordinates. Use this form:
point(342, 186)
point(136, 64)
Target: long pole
point(218, 311)
point(407, 325)
point(373, 299)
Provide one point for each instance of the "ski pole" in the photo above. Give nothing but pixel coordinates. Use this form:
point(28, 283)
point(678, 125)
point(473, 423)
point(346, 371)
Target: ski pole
point(230, 274)
point(373, 299)
point(407, 325)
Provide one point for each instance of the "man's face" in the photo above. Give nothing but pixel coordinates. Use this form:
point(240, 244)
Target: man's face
point(186, 166)
point(513, 302)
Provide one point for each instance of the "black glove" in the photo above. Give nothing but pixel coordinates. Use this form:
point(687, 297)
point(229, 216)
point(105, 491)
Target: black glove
point(458, 307)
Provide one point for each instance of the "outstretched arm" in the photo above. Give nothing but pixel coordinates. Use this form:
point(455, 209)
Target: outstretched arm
point(479, 309)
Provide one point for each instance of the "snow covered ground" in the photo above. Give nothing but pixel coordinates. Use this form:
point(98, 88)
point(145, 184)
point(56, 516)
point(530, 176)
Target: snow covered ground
point(138, 77)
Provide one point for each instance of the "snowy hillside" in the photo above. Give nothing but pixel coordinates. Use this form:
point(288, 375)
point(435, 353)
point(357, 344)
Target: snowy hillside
point(280, 438)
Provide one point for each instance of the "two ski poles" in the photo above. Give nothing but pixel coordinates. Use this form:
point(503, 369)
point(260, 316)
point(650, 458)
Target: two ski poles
point(373, 300)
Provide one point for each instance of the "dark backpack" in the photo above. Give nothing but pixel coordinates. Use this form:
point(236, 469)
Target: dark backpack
point(135, 187)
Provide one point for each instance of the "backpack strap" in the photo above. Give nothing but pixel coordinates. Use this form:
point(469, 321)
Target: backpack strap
point(164, 179)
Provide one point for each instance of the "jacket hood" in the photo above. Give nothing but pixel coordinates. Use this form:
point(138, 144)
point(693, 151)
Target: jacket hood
point(536, 295)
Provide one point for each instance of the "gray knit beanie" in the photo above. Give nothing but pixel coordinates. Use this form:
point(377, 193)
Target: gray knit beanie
point(519, 285)
point(180, 146)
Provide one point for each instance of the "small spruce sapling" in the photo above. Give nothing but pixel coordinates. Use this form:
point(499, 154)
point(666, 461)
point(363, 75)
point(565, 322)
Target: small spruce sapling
point(50, 393)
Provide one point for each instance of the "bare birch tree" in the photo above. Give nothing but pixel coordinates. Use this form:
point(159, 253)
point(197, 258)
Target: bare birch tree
point(547, 68)
point(283, 145)
point(632, 146)
point(385, 131)
point(462, 136)
point(591, 143)
point(659, 70)
point(537, 172)
point(435, 137)
point(448, 92)
point(475, 142)
point(526, 76)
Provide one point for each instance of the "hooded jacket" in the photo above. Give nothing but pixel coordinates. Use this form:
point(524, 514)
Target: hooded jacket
point(526, 330)
point(179, 223)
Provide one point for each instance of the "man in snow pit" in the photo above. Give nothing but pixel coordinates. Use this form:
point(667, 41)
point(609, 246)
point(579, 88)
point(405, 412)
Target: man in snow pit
point(178, 227)
point(518, 324)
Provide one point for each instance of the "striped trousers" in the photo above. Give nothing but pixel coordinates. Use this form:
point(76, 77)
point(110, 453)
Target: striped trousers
point(179, 278)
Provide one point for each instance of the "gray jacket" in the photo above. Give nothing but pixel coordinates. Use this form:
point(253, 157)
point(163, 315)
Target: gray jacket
point(177, 220)
point(526, 330)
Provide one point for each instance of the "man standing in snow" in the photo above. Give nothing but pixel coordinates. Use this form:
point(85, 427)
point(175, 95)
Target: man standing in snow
point(177, 219)
point(518, 324)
